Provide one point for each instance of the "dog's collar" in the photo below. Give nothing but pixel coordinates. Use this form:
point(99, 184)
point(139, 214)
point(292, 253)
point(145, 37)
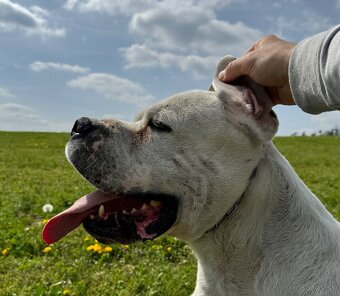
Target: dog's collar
point(233, 209)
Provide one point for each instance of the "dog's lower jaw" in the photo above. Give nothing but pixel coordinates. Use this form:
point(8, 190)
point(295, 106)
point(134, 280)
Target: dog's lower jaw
point(248, 255)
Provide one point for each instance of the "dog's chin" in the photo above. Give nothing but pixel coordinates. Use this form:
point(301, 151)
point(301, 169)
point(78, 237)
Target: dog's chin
point(131, 218)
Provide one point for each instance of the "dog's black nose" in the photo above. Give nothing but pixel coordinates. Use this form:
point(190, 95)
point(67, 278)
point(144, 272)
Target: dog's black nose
point(82, 125)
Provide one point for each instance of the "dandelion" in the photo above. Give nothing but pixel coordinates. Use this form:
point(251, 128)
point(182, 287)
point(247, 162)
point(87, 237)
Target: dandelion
point(47, 208)
point(126, 247)
point(44, 221)
point(89, 248)
point(94, 248)
point(97, 247)
point(66, 292)
point(107, 249)
point(47, 250)
point(169, 249)
point(5, 252)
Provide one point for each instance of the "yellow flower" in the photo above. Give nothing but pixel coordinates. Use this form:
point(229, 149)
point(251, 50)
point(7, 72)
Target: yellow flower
point(126, 247)
point(66, 292)
point(95, 248)
point(107, 249)
point(47, 250)
point(89, 248)
point(44, 221)
point(86, 238)
point(5, 252)
point(169, 249)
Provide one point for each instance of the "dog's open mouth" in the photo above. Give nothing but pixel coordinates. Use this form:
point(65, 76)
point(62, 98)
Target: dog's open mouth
point(110, 218)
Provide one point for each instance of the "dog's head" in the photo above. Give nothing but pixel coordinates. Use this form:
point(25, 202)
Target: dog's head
point(178, 168)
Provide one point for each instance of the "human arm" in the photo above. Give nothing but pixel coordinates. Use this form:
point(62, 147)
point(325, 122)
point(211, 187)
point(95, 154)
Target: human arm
point(307, 74)
point(314, 72)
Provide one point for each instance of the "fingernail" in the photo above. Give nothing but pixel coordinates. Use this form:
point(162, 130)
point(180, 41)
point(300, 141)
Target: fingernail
point(221, 75)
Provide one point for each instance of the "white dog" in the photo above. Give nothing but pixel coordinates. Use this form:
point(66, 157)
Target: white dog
point(201, 166)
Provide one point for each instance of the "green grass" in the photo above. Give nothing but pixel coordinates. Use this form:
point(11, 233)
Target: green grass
point(34, 171)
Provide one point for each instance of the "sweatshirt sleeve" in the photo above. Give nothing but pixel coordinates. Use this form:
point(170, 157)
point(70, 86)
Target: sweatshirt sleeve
point(314, 72)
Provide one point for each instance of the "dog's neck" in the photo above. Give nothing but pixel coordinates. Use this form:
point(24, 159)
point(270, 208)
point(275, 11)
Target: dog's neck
point(234, 207)
point(231, 256)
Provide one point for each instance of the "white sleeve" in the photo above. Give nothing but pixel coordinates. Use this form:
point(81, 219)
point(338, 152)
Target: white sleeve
point(314, 72)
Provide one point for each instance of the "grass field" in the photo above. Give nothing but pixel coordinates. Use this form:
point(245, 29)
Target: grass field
point(34, 171)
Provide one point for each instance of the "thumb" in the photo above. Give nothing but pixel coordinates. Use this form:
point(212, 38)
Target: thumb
point(235, 69)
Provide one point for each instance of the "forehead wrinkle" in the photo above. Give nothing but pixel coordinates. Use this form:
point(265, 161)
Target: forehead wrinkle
point(139, 115)
point(148, 113)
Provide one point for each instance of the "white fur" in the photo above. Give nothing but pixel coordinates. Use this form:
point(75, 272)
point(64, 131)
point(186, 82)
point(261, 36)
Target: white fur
point(280, 241)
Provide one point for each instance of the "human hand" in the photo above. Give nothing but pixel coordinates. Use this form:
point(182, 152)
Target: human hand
point(266, 62)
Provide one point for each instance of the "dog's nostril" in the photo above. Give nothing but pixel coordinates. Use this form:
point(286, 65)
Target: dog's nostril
point(82, 125)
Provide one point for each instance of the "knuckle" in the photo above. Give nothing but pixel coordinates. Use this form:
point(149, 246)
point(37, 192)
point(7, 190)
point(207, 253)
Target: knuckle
point(271, 37)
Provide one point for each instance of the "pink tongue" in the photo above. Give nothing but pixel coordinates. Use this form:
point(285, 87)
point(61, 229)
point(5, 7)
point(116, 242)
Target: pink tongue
point(68, 220)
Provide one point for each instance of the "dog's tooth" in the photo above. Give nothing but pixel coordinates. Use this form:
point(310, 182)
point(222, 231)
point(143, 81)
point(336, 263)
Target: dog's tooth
point(92, 217)
point(116, 219)
point(155, 203)
point(144, 207)
point(125, 212)
point(101, 211)
point(133, 211)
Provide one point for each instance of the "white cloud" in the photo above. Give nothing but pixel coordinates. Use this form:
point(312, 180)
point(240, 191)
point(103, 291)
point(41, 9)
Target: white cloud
point(326, 121)
point(9, 110)
point(42, 66)
point(185, 34)
point(112, 7)
point(31, 21)
point(176, 25)
point(39, 11)
point(113, 88)
point(129, 7)
point(142, 56)
point(306, 23)
point(201, 67)
point(19, 117)
point(192, 29)
point(5, 93)
point(190, 38)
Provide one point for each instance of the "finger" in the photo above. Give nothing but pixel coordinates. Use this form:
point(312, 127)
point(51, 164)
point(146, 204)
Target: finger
point(252, 48)
point(235, 69)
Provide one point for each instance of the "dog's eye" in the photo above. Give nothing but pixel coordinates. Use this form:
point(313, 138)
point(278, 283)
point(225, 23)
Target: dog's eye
point(158, 125)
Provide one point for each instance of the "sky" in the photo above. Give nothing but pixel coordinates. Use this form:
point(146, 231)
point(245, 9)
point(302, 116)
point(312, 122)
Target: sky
point(63, 59)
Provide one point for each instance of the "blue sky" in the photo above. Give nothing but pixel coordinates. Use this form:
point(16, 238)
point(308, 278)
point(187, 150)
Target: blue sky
point(60, 60)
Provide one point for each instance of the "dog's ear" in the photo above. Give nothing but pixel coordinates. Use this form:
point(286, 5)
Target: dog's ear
point(247, 104)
